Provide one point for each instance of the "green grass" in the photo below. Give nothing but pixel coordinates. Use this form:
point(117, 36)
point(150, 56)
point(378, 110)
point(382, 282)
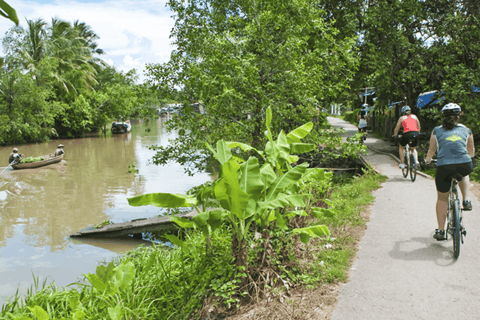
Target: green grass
point(328, 260)
point(164, 283)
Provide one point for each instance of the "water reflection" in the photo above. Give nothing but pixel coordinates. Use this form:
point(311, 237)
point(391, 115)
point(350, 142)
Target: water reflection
point(40, 208)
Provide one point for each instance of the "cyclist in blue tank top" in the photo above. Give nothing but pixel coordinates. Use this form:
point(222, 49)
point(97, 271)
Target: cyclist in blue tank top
point(455, 149)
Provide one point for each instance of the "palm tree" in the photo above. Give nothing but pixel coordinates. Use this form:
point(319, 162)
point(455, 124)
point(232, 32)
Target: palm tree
point(74, 53)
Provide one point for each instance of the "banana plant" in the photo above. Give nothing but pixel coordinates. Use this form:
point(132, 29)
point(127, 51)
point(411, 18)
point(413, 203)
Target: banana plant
point(279, 178)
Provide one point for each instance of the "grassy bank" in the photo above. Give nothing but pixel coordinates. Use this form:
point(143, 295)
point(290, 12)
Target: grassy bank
point(177, 283)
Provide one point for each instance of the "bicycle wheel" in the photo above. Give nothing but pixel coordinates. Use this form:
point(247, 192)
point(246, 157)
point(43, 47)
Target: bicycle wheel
point(413, 168)
point(405, 170)
point(456, 235)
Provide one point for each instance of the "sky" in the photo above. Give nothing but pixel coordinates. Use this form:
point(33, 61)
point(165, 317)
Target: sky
point(132, 32)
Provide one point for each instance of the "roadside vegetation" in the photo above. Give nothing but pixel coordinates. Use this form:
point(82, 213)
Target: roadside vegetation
point(270, 232)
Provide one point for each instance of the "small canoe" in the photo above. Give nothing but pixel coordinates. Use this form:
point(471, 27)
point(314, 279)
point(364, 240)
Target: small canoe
point(50, 159)
point(121, 127)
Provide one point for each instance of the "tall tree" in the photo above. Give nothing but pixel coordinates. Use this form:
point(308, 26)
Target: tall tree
point(237, 58)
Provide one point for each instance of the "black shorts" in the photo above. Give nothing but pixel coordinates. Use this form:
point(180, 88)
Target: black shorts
point(364, 129)
point(407, 136)
point(444, 174)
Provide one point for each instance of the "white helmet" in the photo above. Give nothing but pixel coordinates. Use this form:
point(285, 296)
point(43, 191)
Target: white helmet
point(405, 109)
point(451, 109)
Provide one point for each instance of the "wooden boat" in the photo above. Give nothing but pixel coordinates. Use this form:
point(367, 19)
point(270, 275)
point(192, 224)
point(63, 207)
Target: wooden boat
point(49, 159)
point(121, 127)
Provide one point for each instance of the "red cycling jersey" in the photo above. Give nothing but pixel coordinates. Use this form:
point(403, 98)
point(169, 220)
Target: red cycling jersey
point(410, 124)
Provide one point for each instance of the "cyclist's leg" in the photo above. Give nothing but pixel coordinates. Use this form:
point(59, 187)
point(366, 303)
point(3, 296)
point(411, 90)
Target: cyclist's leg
point(413, 146)
point(442, 184)
point(401, 147)
point(442, 208)
point(464, 187)
point(401, 151)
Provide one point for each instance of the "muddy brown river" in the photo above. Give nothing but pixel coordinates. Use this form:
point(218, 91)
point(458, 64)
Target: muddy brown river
point(40, 208)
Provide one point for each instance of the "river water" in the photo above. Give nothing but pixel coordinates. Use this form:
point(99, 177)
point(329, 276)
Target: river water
point(40, 208)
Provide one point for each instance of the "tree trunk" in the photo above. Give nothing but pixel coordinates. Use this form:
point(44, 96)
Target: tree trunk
point(239, 252)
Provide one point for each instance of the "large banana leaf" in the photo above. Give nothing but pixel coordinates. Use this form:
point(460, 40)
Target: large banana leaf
point(164, 200)
point(311, 232)
point(211, 218)
point(299, 133)
point(268, 123)
point(302, 147)
point(251, 183)
point(286, 180)
point(267, 175)
point(243, 146)
point(182, 222)
point(223, 152)
point(283, 148)
point(229, 193)
point(322, 212)
point(318, 174)
point(251, 180)
point(8, 12)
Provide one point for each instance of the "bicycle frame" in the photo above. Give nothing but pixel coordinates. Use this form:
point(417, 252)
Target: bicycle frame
point(409, 167)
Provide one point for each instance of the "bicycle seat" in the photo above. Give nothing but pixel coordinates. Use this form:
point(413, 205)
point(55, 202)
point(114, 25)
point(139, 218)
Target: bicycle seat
point(456, 176)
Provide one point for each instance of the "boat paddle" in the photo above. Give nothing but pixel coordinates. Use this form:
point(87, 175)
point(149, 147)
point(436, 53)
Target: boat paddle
point(7, 166)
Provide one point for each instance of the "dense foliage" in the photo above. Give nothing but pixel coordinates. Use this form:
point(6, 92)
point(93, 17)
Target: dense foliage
point(410, 47)
point(238, 58)
point(53, 83)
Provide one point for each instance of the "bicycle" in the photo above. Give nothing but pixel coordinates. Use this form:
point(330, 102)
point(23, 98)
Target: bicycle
point(410, 165)
point(364, 136)
point(455, 216)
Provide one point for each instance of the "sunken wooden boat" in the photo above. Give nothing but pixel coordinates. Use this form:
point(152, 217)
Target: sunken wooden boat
point(49, 159)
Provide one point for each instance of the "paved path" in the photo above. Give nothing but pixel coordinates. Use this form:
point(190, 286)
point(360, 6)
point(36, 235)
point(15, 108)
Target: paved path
point(401, 272)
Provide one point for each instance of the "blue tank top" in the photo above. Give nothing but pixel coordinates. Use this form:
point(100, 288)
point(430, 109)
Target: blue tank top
point(452, 145)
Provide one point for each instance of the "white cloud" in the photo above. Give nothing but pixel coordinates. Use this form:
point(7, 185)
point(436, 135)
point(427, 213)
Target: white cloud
point(131, 32)
point(129, 62)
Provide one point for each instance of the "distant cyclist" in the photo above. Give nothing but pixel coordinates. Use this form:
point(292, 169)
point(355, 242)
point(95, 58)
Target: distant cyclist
point(453, 143)
point(362, 119)
point(411, 130)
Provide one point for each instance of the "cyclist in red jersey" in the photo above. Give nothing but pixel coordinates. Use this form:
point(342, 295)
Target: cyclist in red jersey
point(411, 130)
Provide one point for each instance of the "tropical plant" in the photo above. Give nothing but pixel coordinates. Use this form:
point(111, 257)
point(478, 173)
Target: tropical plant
point(8, 12)
point(249, 193)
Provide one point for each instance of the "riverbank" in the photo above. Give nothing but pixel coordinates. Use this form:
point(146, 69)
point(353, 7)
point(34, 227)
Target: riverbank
point(41, 207)
point(154, 268)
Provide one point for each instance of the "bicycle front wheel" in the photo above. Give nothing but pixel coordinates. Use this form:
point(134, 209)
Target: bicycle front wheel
point(413, 168)
point(456, 235)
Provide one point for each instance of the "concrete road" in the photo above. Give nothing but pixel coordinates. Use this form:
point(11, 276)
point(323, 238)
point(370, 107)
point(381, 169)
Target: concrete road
point(401, 272)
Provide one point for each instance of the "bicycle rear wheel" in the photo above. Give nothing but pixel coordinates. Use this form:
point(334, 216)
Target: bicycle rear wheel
point(413, 168)
point(456, 235)
point(405, 170)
